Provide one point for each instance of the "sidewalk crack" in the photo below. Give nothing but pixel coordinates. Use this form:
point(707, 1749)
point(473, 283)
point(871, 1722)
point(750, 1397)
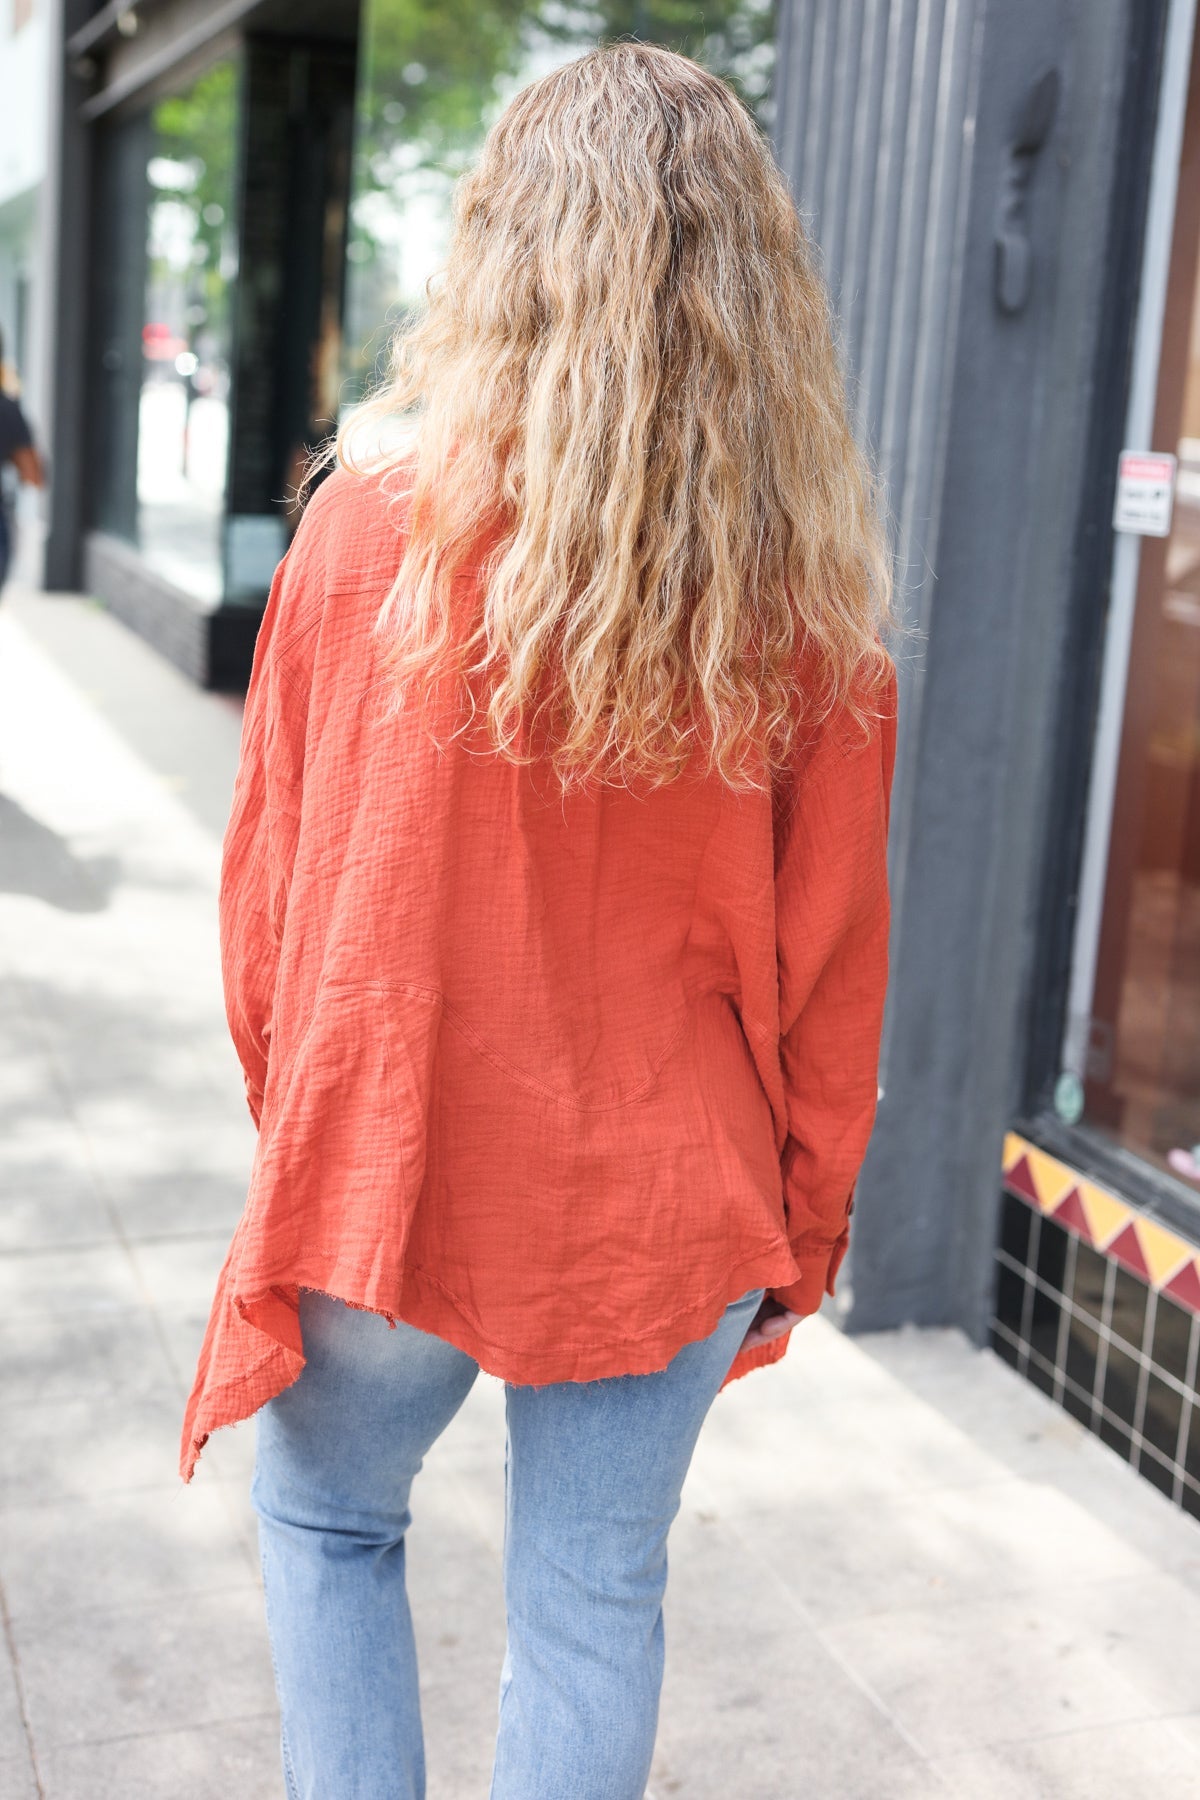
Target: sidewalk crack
point(19, 1685)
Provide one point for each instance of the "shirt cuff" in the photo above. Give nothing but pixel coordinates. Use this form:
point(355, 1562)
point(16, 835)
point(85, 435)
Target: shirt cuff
point(758, 1358)
point(818, 1271)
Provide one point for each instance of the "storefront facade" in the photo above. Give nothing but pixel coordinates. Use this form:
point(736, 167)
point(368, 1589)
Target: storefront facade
point(1000, 192)
point(1007, 199)
point(1098, 1267)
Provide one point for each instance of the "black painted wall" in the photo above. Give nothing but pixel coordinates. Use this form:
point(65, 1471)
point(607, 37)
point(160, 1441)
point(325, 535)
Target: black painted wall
point(998, 691)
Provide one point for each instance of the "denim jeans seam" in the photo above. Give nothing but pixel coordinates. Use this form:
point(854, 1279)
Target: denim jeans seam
point(289, 1772)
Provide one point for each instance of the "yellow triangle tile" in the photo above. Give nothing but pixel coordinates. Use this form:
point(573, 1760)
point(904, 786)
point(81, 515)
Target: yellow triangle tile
point(1105, 1215)
point(1015, 1148)
point(1052, 1180)
point(1163, 1251)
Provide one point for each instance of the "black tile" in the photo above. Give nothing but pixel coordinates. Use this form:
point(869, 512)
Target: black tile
point(1172, 1336)
point(1129, 1308)
point(1083, 1346)
point(1005, 1349)
point(1116, 1437)
point(1052, 1254)
point(1010, 1298)
point(1015, 1219)
point(1161, 1474)
point(1191, 1500)
point(1191, 1454)
point(1041, 1375)
point(1160, 1424)
point(1043, 1328)
point(1088, 1286)
point(1120, 1385)
point(1078, 1405)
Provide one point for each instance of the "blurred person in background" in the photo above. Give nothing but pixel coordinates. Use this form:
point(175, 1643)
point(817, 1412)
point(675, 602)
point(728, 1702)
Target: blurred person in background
point(554, 918)
point(19, 462)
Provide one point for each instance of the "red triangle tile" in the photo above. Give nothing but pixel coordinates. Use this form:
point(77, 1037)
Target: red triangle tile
point(1019, 1179)
point(1127, 1250)
point(1070, 1212)
point(1185, 1287)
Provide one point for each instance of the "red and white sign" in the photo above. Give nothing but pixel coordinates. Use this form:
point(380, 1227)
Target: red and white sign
point(1145, 492)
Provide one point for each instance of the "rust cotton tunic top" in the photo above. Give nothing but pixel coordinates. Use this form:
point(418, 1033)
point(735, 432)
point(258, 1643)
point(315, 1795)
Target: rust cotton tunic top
point(555, 1079)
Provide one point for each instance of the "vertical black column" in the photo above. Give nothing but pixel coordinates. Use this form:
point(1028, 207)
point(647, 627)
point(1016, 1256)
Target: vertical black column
point(60, 376)
point(989, 404)
point(1017, 494)
point(294, 178)
point(117, 296)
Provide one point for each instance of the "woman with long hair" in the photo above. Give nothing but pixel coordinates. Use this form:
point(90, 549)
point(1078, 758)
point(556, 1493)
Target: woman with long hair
point(554, 917)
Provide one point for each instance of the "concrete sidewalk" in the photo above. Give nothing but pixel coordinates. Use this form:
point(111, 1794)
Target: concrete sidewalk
point(899, 1571)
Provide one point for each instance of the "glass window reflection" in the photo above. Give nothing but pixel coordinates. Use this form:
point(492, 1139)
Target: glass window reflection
point(431, 83)
point(1143, 1086)
point(191, 264)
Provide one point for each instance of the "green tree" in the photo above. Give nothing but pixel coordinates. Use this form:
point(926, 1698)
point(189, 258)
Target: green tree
point(435, 72)
point(198, 129)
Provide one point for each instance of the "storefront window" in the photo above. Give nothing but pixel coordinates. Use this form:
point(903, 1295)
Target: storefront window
point(431, 83)
point(226, 200)
point(1143, 1065)
point(191, 264)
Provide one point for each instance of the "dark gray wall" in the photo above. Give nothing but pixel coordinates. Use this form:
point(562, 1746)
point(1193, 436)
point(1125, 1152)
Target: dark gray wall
point(897, 136)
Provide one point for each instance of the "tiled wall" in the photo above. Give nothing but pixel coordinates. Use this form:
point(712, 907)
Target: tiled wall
point(1084, 1308)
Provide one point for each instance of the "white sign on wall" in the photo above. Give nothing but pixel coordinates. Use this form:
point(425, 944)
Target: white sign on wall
point(1145, 492)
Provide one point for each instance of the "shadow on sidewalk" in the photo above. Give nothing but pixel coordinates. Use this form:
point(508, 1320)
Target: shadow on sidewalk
point(36, 861)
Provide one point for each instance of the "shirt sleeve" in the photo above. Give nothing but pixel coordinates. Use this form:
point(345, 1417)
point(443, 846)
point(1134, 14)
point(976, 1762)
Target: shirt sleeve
point(832, 919)
point(260, 841)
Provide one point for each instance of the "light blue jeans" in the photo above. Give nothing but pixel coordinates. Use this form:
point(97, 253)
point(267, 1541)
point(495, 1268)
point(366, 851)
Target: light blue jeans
point(593, 1473)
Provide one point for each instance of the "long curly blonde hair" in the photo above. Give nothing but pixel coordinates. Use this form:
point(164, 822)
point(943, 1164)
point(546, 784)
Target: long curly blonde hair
point(638, 527)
